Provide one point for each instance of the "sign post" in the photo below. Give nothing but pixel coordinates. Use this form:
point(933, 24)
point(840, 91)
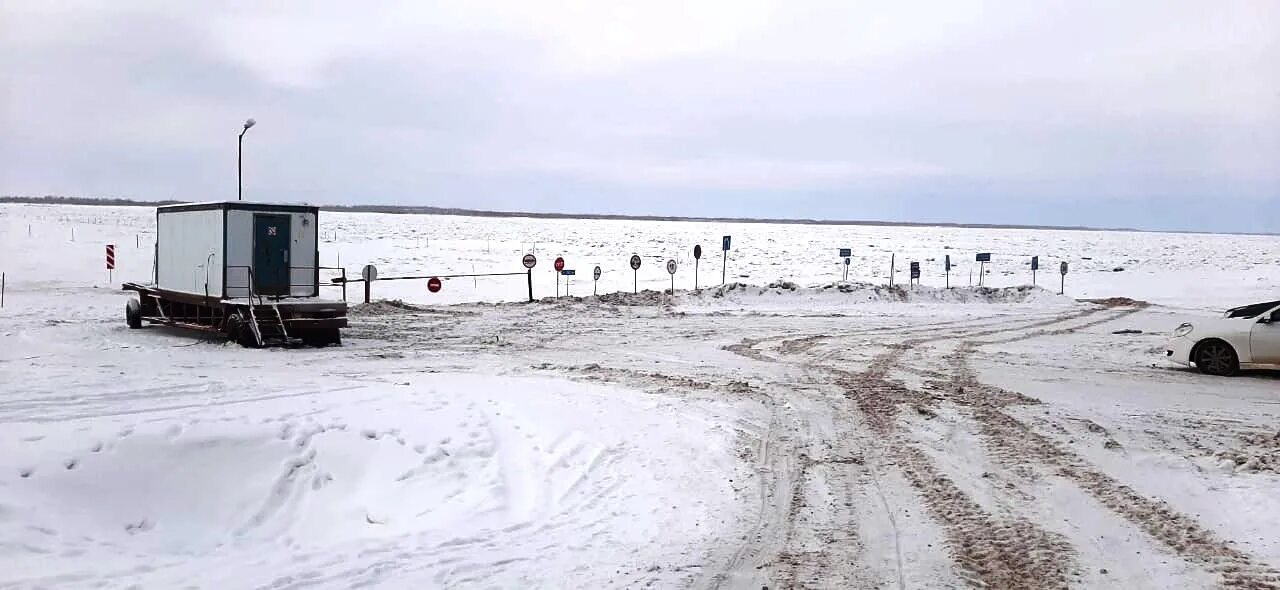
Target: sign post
point(635, 272)
point(947, 268)
point(671, 270)
point(982, 260)
point(1062, 269)
point(725, 268)
point(846, 253)
point(559, 266)
point(370, 274)
point(697, 255)
point(568, 272)
point(915, 274)
point(892, 258)
point(111, 261)
point(595, 280)
point(529, 262)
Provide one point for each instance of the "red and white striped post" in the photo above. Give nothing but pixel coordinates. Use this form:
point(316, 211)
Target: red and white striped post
point(111, 261)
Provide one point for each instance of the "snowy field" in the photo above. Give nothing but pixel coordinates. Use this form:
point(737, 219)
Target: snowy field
point(821, 436)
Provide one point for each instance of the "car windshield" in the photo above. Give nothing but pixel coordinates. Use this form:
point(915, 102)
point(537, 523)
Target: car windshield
point(1249, 311)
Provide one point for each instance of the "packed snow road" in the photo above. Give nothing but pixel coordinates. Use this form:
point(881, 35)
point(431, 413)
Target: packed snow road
point(846, 437)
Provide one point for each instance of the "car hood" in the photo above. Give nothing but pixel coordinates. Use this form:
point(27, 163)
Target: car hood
point(1206, 326)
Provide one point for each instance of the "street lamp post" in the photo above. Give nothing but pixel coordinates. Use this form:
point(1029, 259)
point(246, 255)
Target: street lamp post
point(240, 159)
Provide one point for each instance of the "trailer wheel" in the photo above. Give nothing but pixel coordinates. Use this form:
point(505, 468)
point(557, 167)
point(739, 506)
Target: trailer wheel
point(322, 337)
point(237, 330)
point(133, 313)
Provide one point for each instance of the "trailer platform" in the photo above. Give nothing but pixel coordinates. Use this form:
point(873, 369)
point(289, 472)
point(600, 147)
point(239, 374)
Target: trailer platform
point(251, 321)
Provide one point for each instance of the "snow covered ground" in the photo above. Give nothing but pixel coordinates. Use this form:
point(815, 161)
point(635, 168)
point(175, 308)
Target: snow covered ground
point(759, 435)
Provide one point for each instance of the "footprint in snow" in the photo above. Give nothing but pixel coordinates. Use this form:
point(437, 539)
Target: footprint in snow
point(96, 448)
point(26, 472)
point(71, 464)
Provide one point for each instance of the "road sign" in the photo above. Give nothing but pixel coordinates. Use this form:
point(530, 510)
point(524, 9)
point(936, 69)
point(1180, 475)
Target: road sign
point(697, 252)
point(369, 273)
point(1035, 263)
point(559, 263)
point(530, 261)
point(726, 239)
point(111, 256)
point(1062, 268)
point(846, 252)
point(984, 257)
point(671, 267)
point(568, 272)
point(915, 270)
point(948, 263)
point(434, 284)
point(635, 262)
point(846, 261)
point(596, 274)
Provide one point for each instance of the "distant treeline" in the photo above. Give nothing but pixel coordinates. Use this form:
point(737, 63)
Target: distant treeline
point(423, 210)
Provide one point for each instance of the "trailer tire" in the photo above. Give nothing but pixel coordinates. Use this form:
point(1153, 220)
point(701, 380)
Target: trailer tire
point(238, 331)
point(320, 338)
point(133, 313)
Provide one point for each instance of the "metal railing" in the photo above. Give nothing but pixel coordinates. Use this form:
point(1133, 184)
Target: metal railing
point(249, 286)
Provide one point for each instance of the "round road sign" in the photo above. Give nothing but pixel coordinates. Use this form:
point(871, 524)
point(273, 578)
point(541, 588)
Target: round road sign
point(635, 262)
point(530, 261)
point(1062, 268)
point(434, 284)
point(559, 264)
point(370, 273)
point(597, 273)
point(697, 252)
point(671, 267)
point(846, 261)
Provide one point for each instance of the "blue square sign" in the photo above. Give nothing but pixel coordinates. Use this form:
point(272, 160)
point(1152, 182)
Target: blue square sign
point(846, 252)
point(726, 242)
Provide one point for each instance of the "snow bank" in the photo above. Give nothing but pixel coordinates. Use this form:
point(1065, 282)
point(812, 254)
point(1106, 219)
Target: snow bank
point(433, 481)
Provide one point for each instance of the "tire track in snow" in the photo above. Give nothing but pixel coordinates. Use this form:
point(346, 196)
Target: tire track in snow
point(1013, 442)
point(996, 553)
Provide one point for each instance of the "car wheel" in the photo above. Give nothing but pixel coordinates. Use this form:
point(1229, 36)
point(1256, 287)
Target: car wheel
point(1217, 358)
point(133, 313)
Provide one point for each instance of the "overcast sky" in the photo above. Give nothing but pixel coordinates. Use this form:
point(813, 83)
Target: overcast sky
point(1160, 114)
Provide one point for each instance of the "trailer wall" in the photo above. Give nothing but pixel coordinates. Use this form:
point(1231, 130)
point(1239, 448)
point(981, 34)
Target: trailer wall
point(189, 251)
point(302, 252)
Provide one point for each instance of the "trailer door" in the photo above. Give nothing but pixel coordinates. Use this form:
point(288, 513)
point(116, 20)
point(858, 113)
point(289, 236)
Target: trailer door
point(271, 254)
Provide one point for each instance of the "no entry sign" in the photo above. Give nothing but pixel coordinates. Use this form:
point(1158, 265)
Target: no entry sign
point(635, 262)
point(434, 285)
point(530, 261)
point(111, 256)
point(559, 263)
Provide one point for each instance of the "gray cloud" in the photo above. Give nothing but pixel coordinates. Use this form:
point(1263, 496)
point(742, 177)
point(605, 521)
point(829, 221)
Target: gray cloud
point(1140, 114)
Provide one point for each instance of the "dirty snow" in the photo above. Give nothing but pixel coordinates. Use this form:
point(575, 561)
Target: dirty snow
point(786, 430)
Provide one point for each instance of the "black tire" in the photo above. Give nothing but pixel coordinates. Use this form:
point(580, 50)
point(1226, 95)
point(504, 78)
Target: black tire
point(133, 314)
point(238, 330)
point(1216, 357)
point(321, 338)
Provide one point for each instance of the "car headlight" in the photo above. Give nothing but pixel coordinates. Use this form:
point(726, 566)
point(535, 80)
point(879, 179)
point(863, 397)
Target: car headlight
point(1182, 330)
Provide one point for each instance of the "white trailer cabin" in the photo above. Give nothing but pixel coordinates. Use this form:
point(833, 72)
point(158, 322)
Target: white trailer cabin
point(219, 249)
point(247, 270)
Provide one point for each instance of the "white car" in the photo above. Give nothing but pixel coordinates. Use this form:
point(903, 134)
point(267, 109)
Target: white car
point(1245, 337)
